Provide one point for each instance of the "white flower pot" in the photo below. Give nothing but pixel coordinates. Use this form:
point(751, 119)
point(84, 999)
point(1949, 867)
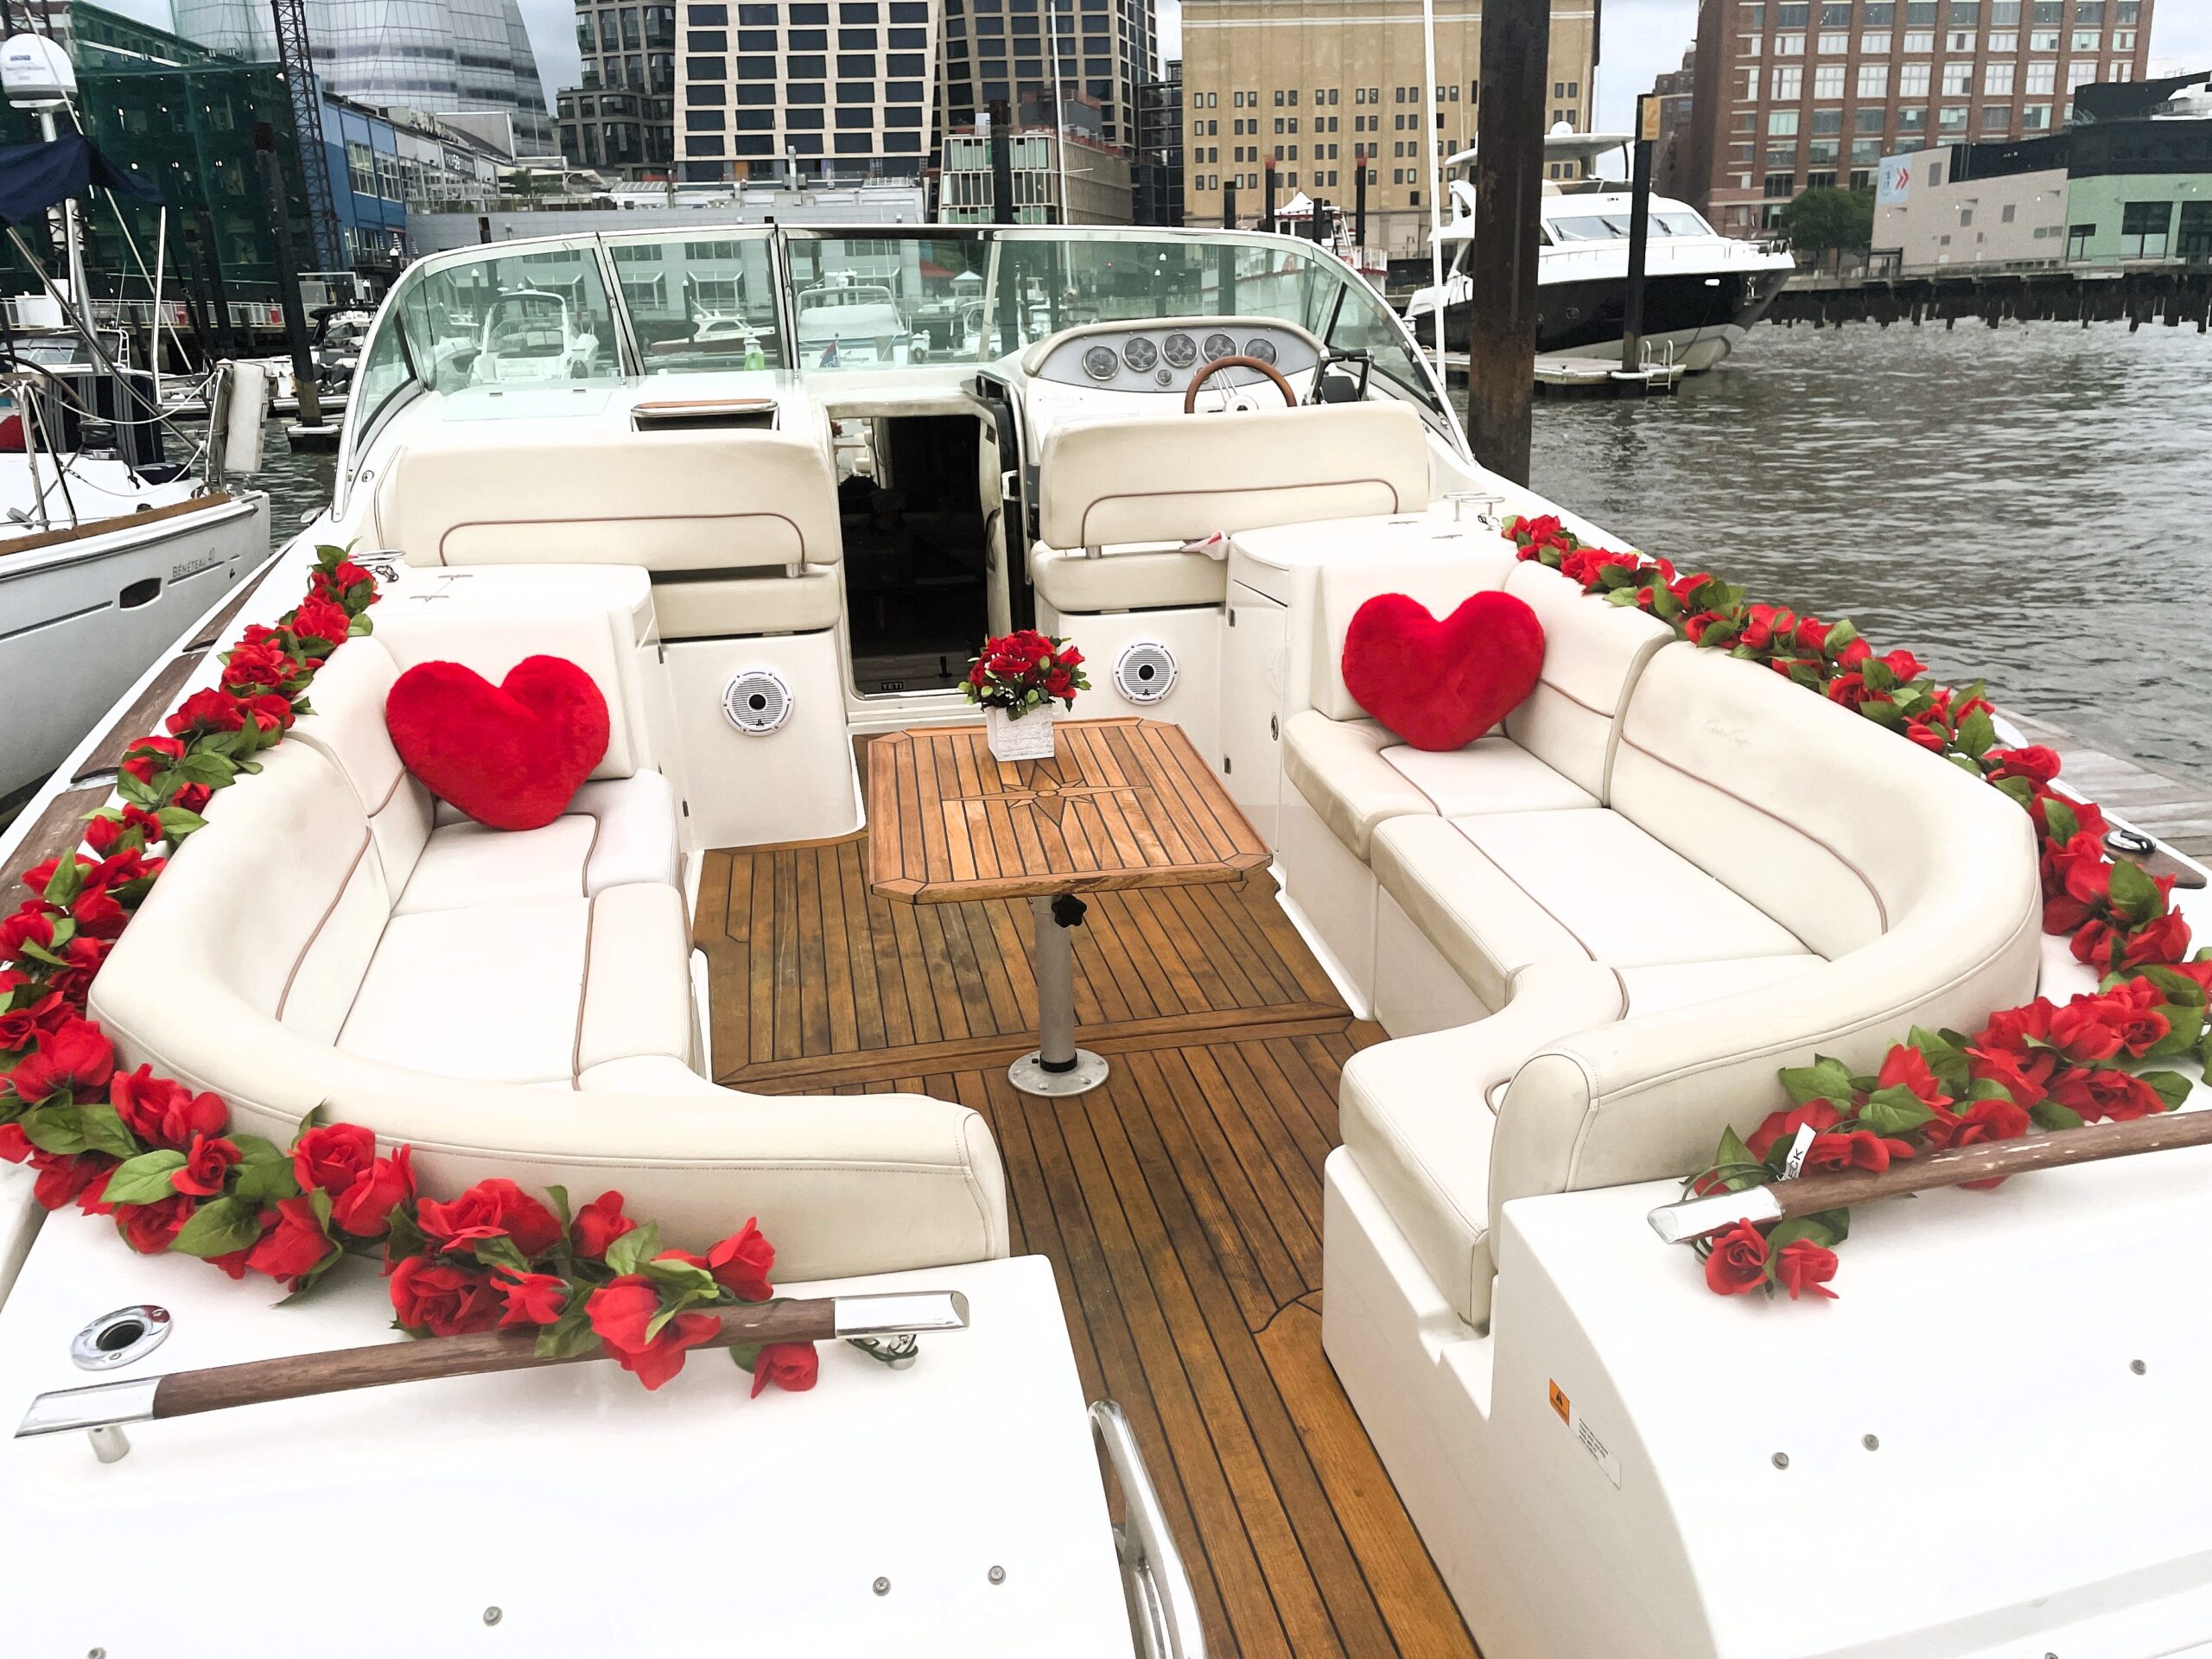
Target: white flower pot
point(1029, 738)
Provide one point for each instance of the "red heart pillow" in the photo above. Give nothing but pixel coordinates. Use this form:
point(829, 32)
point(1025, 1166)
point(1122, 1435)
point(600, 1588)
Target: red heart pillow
point(511, 755)
point(1440, 685)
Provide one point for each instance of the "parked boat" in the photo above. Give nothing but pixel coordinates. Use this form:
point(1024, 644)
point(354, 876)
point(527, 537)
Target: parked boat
point(1703, 291)
point(1343, 1264)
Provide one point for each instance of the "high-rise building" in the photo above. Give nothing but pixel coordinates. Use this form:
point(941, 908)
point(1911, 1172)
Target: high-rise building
point(1159, 162)
point(993, 48)
point(768, 84)
point(1676, 91)
point(1307, 83)
point(1794, 95)
point(458, 54)
point(621, 117)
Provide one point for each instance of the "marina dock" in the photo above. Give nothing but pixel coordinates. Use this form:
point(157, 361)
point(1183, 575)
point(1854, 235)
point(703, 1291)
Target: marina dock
point(1585, 377)
point(2175, 809)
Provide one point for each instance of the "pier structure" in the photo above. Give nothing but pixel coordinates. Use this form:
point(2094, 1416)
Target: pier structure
point(2173, 295)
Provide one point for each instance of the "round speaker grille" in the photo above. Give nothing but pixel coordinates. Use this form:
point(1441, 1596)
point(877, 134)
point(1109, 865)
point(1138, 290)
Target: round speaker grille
point(1145, 671)
point(757, 700)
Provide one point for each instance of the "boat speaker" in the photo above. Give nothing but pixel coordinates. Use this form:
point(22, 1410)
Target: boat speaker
point(1145, 671)
point(757, 700)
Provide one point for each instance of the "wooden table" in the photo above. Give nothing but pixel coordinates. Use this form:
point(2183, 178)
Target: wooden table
point(1120, 804)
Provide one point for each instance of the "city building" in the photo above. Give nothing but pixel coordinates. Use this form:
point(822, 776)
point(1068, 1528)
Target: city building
point(1309, 83)
point(1100, 188)
point(1159, 166)
point(620, 120)
point(768, 87)
point(455, 55)
point(1793, 95)
point(890, 202)
point(2128, 183)
point(1107, 49)
point(1676, 92)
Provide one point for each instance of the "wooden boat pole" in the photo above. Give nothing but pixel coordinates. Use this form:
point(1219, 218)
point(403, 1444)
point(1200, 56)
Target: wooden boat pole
point(297, 1376)
point(1808, 1195)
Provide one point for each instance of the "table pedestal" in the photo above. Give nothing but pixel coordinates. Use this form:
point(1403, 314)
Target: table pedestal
point(1057, 1066)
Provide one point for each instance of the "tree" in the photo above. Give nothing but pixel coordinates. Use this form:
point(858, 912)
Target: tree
point(1829, 222)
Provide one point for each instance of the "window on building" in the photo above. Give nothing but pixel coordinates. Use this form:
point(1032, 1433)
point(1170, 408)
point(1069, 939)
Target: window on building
point(1833, 45)
point(2144, 226)
point(1827, 80)
point(1875, 43)
point(1781, 185)
point(1789, 83)
point(2079, 75)
point(1996, 79)
point(1826, 123)
point(1952, 118)
point(1782, 123)
point(2077, 240)
point(1789, 46)
point(1996, 118)
point(2195, 238)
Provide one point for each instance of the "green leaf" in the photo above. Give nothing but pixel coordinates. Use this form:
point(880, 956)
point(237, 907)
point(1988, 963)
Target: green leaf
point(686, 1280)
point(1894, 1110)
point(2060, 824)
point(571, 1334)
point(2019, 789)
point(2134, 895)
point(1825, 1079)
point(218, 1227)
point(1947, 1059)
point(2184, 1027)
point(200, 767)
point(143, 1180)
point(266, 1182)
point(1808, 1227)
point(2180, 990)
point(501, 1252)
point(558, 1197)
point(67, 1130)
point(67, 880)
point(746, 1355)
point(177, 823)
point(629, 1253)
point(2049, 1115)
point(2170, 1087)
point(1977, 734)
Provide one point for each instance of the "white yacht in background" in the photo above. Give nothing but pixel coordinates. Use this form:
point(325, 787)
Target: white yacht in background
point(1702, 290)
point(1348, 1247)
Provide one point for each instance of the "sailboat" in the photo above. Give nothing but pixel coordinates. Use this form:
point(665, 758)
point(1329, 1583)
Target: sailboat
point(1252, 1116)
point(109, 547)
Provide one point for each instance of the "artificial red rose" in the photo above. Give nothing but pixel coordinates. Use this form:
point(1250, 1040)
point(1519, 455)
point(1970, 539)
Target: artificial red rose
point(233, 1263)
point(491, 1209)
point(2098, 1092)
point(1764, 624)
point(2085, 1030)
point(82, 956)
point(2096, 943)
point(207, 1166)
point(292, 1242)
point(162, 1112)
point(318, 619)
point(2035, 763)
point(2025, 1076)
point(531, 1298)
point(1903, 664)
point(148, 1228)
point(32, 923)
point(1905, 1066)
point(19, 1027)
point(206, 711)
point(789, 1365)
point(1811, 634)
point(365, 1208)
point(1983, 1121)
point(61, 1179)
point(97, 914)
point(1060, 684)
point(2133, 1010)
point(272, 711)
point(263, 666)
point(1737, 1262)
point(620, 1312)
point(150, 755)
point(332, 1157)
point(2078, 870)
point(1855, 1149)
point(599, 1224)
point(1695, 627)
point(73, 1059)
point(104, 834)
point(191, 797)
point(1931, 738)
point(15, 1146)
point(1850, 688)
point(40, 876)
point(1783, 1126)
point(2159, 943)
point(742, 1262)
point(1802, 1267)
point(2010, 1029)
point(441, 1298)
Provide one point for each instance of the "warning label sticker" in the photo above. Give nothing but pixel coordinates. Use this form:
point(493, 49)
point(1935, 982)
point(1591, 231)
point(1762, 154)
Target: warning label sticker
point(1592, 1442)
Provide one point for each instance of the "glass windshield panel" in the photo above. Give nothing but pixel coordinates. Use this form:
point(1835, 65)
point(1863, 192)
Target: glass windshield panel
point(885, 301)
point(520, 320)
point(1614, 227)
point(700, 303)
point(1050, 283)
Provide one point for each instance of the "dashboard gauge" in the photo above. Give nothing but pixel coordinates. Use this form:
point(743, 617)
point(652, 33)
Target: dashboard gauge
point(1182, 350)
point(1100, 363)
point(1218, 346)
point(1262, 349)
point(1140, 354)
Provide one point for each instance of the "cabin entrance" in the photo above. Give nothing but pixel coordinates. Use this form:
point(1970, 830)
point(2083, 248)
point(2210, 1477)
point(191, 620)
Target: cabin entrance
point(918, 547)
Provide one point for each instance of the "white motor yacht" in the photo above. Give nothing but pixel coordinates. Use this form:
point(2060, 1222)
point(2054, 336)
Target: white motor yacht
point(1341, 1262)
point(1703, 291)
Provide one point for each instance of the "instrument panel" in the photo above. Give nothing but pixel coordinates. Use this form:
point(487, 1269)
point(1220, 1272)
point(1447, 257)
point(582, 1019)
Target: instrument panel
point(1161, 358)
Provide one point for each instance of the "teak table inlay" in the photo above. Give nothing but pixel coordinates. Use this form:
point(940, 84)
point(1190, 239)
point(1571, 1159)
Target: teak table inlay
point(1119, 804)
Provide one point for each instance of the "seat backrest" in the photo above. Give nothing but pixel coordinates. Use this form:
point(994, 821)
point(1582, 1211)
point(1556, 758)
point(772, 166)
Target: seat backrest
point(1442, 580)
point(512, 493)
point(347, 730)
point(1593, 653)
point(279, 901)
point(1109, 483)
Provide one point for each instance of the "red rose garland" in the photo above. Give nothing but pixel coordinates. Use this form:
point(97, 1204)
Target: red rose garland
point(167, 1167)
point(2041, 1066)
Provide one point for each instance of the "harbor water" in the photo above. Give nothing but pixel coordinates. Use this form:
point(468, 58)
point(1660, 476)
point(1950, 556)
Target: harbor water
point(2032, 505)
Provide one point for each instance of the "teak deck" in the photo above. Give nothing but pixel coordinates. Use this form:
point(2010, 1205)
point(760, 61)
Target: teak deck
point(1179, 1203)
point(1120, 804)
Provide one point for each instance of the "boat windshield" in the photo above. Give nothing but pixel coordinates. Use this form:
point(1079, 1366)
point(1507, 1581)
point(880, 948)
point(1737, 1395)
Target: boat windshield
point(1614, 227)
point(821, 302)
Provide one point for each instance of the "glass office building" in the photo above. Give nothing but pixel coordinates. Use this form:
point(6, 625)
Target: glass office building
point(439, 56)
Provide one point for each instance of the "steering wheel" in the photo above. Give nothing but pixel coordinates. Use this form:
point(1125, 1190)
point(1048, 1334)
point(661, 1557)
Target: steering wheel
point(1237, 361)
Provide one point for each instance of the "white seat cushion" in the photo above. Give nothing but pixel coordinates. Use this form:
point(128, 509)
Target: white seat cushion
point(637, 997)
point(1491, 774)
point(1499, 892)
point(1337, 765)
point(616, 832)
point(1682, 984)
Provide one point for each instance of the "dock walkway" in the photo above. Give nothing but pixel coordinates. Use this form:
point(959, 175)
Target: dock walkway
point(2174, 809)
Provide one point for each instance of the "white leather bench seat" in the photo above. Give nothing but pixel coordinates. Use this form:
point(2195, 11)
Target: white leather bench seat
point(617, 831)
point(1153, 580)
point(534, 991)
point(1498, 892)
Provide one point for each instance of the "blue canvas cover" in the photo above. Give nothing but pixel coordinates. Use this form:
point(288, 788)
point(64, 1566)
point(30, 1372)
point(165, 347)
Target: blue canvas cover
point(33, 177)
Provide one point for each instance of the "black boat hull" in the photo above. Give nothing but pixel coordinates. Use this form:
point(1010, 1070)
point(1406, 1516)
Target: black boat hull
point(1701, 315)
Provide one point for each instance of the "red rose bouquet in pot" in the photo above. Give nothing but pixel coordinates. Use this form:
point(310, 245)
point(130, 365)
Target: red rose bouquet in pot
point(1018, 677)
